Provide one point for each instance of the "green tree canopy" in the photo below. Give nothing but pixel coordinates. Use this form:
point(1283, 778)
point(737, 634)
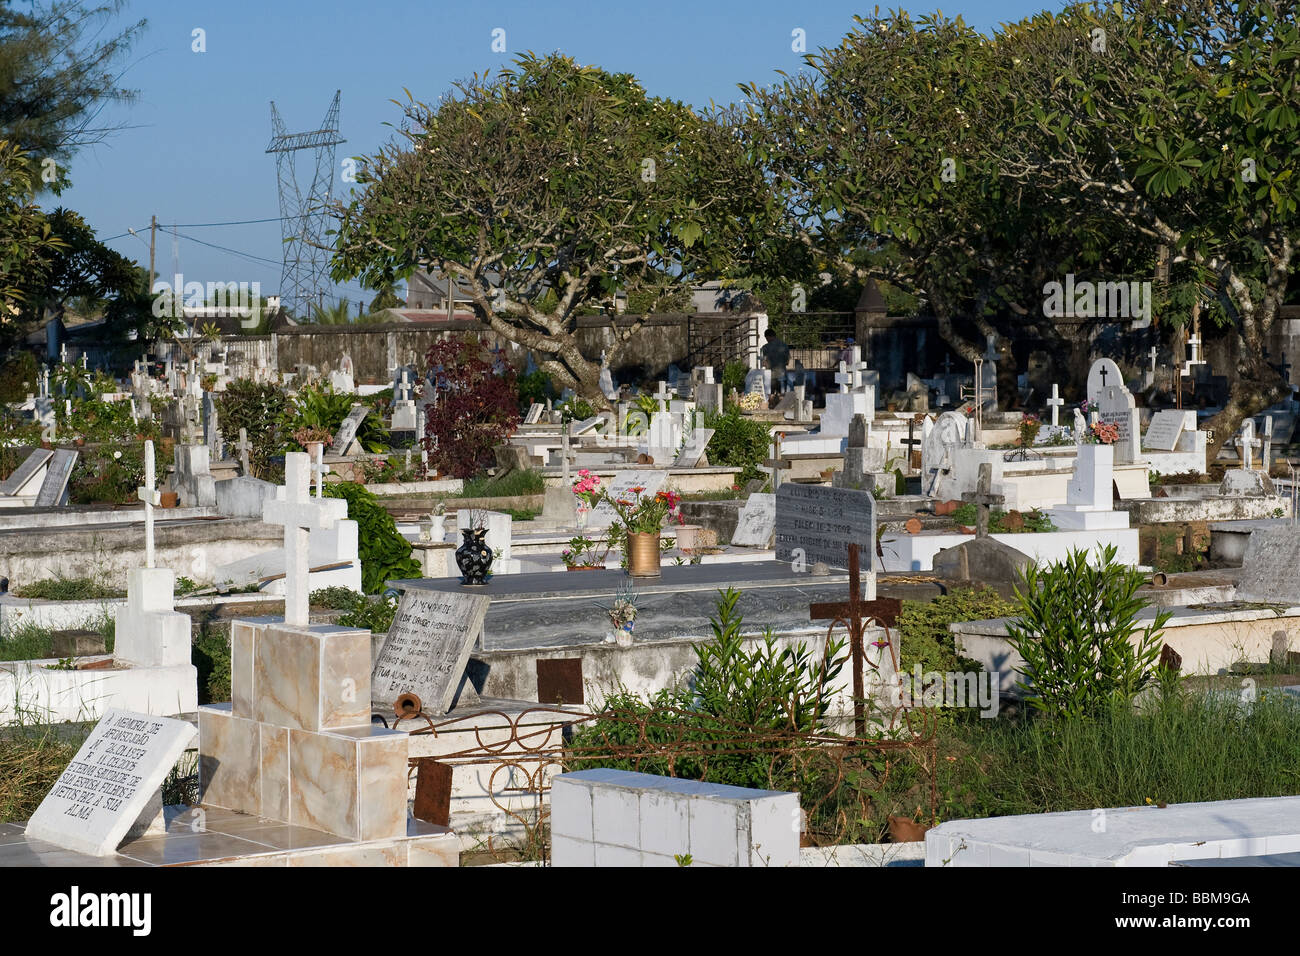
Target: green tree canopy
point(556, 178)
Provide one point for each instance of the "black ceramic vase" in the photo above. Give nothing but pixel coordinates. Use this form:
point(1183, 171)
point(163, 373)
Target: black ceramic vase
point(474, 557)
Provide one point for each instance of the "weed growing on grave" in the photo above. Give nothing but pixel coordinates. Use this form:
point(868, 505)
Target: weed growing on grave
point(924, 638)
point(210, 654)
point(1075, 628)
point(32, 756)
point(67, 589)
point(372, 613)
point(107, 475)
point(999, 521)
point(527, 482)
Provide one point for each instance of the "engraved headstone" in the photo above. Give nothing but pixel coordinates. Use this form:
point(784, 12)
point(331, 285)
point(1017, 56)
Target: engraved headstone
point(534, 413)
point(1165, 428)
point(757, 522)
point(112, 784)
point(1115, 406)
point(427, 647)
point(822, 522)
point(348, 430)
point(620, 486)
point(54, 489)
point(1103, 374)
point(694, 449)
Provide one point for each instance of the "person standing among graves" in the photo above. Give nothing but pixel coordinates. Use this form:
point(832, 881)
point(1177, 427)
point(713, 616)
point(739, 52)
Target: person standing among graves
point(777, 354)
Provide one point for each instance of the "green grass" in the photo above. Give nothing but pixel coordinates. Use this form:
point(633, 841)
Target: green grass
point(1199, 748)
point(528, 482)
point(67, 589)
point(30, 642)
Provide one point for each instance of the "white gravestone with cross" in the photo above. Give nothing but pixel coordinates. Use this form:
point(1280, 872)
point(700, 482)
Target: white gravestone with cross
point(294, 508)
point(1116, 406)
point(1055, 403)
point(150, 632)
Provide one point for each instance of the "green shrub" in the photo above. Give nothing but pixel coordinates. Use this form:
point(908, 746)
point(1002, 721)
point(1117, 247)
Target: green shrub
point(323, 408)
point(107, 475)
point(967, 514)
point(335, 598)
point(372, 613)
point(738, 442)
point(18, 376)
point(576, 410)
point(1074, 627)
point(534, 386)
point(923, 633)
point(384, 553)
point(262, 411)
point(211, 656)
point(733, 377)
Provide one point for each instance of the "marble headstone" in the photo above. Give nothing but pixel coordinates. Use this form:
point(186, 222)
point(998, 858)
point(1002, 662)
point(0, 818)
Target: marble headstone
point(427, 648)
point(1103, 374)
point(111, 783)
point(757, 522)
point(348, 430)
point(1269, 568)
point(620, 486)
point(1165, 428)
point(25, 472)
point(820, 523)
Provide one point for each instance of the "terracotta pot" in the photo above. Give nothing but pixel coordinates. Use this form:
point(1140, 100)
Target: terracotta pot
point(643, 554)
point(168, 499)
point(586, 567)
point(904, 830)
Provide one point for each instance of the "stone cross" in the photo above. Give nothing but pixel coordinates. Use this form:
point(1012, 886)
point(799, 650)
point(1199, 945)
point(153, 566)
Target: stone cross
point(45, 383)
point(84, 363)
point(320, 469)
point(564, 450)
point(662, 394)
point(1246, 443)
point(1055, 402)
point(776, 462)
point(63, 353)
point(983, 499)
point(844, 378)
point(243, 447)
point(1153, 353)
point(151, 498)
point(300, 516)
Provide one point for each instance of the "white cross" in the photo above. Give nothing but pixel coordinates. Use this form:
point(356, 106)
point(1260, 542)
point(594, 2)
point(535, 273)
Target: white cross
point(844, 378)
point(662, 394)
point(858, 368)
point(1246, 443)
point(300, 516)
point(151, 498)
point(1194, 343)
point(320, 469)
point(1056, 401)
point(1153, 353)
point(83, 360)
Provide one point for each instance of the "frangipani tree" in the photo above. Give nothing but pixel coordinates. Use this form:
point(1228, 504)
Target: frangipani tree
point(545, 189)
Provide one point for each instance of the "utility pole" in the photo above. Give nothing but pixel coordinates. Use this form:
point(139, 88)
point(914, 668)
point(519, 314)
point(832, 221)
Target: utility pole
point(153, 235)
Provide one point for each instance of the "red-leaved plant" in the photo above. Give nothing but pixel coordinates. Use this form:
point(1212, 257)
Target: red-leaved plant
point(477, 407)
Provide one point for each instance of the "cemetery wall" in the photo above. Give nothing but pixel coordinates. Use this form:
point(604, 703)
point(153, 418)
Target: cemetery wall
point(108, 553)
point(375, 349)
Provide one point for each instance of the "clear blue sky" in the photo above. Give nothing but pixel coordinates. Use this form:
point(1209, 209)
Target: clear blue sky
point(195, 152)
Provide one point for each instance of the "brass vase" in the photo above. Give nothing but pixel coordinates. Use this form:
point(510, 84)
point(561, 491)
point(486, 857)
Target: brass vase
point(643, 554)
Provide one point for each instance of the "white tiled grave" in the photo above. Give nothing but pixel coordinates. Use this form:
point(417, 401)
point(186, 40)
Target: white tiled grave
point(1122, 836)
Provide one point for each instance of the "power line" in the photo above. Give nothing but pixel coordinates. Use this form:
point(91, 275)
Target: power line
point(233, 222)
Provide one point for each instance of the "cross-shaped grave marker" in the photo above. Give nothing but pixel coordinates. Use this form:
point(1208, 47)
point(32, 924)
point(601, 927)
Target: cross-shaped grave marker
point(1055, 402)
point(320, 469)
point(151, 498)
point(776, 462)
point(844, 378)
point(300, 516)
point(855, 614)
point(983, 498)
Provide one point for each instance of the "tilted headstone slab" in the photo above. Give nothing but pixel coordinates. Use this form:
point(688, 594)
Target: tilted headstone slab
point(110, 782)
point(823, 522)
point(24, 472)
point(348, 430)
point(1269, 568)
point(1165, 428)
point(54, 489)
point(757, 521)
point(427, 647)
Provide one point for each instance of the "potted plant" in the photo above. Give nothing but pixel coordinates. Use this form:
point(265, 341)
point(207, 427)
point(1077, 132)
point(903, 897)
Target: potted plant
point(581, 555)
point(622, 617)
point(641, 519)
point(474, 557)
